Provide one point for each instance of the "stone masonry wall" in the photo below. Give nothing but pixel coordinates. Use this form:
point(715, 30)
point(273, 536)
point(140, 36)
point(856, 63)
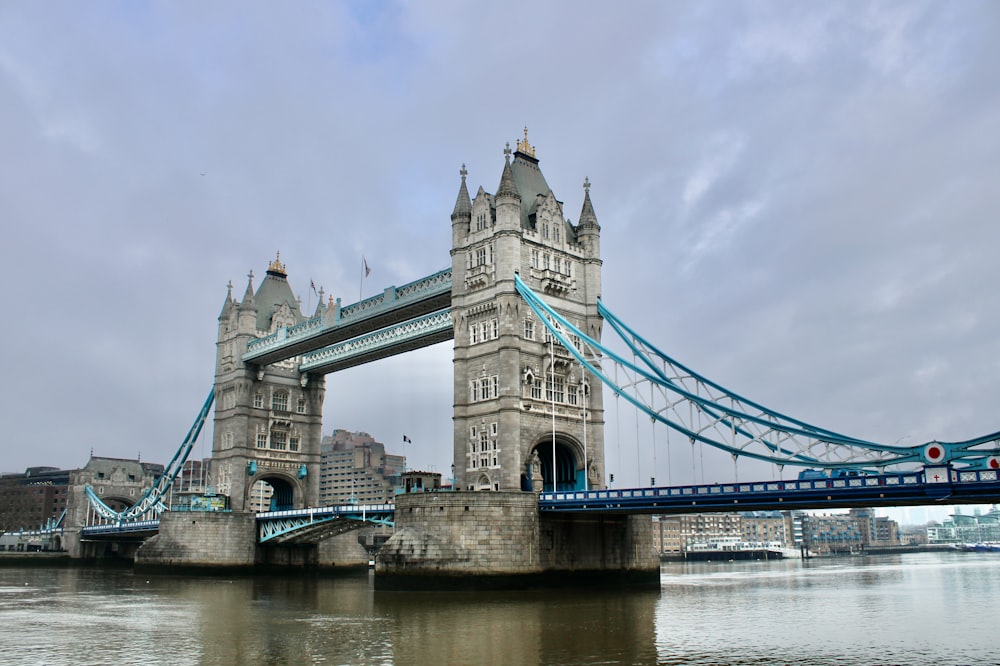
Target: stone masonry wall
point(201, 539)
point(463, 534)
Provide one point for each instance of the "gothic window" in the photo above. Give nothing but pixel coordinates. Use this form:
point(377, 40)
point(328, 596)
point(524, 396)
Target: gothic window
point(300, 407)
point(571, 394)
point(545, 231)
point(480, 256)
point(279, 439)
point(258, 400)
point(491, 253)
point(536, 389)
point(496, 328)
point(261, 440)
point(534, 259)
point(529, 329)
point(473, 334)
point(555, 232)
point(494, 386)
point(557, 267)
point(554, 388)
point(545, 262)
point(293, 443)
point(569, 271)
point(279, 401)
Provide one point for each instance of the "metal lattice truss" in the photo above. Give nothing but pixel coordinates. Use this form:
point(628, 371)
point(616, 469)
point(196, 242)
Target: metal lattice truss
point(312, 525)
point(411, 334)
point(151, 504)
point(706, 413)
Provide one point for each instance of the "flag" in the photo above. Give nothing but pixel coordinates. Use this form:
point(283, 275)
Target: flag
point(365, 262)
point(407, 440)
point(313, 285)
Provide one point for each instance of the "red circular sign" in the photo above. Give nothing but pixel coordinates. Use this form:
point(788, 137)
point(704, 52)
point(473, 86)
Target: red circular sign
point(934, 453)
point(993, 462)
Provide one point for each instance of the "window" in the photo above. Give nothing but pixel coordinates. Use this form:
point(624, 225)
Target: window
point(258, 400)
point(279, 440)
point(293, 443)
point(572, 391)
point(261, 440)
point(554, 389)
point(536, 389)
point(496, 328)
point(555, 232)
point(535, 259)
point(473, 334)
point(279, 401)
point(557, 265)
point(545, 262)
point(529, 329)
point(480, 256)
point(300, 407)
point(545, 231)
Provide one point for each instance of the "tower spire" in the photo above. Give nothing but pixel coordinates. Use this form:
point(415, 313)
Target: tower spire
point(247, 303)
point(587, 217)
point(227, 306)
point(507, 187)
point(463, 204)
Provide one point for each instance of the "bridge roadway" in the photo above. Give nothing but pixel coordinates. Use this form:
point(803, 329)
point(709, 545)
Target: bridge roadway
point(930, 486)
point(388, 311)
point(933, 485)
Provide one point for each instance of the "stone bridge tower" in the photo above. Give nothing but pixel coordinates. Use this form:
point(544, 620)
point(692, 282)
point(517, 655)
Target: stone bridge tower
point(268, 420)
point(518, 395)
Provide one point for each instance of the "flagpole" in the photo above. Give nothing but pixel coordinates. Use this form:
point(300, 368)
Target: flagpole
point(361, 282)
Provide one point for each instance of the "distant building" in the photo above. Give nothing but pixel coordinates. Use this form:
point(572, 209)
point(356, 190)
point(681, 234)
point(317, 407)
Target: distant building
point(29, 500)
point(354, 468)
point(961, 528)
point(677, 533)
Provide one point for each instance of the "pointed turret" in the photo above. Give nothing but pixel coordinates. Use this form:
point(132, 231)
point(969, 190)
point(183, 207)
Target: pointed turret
point(320, 307)
point(507, 188)
point(587, 217)
point(227, 306)
point(588, 231)
point(463, 204)
point(247, 303)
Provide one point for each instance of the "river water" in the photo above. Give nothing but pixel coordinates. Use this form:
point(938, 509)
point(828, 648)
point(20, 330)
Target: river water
point(933, 608)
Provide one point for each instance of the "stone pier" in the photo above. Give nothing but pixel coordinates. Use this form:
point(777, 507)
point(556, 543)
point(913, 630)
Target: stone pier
point(228, 540)
point(498, 539)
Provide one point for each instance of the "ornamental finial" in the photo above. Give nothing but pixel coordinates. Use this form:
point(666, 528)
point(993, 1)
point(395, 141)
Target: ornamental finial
point(463, 172)
point(524, 147)
point(586, 184)
point(276, 266)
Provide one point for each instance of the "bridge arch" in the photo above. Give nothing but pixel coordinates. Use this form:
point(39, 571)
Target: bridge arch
point(283, 492)
point(568, 465)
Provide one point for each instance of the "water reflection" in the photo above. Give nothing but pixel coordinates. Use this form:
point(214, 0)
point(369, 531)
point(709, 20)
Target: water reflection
point(932, 609)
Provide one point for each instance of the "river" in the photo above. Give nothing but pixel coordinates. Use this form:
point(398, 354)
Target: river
point(928, 608)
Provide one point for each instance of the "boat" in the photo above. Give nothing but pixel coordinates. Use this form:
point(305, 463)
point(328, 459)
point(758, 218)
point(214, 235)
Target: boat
point(733, 548)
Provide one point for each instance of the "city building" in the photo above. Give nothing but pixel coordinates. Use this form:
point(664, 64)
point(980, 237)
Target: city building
point(30, 500)
point(354, 468)
point(960, 528)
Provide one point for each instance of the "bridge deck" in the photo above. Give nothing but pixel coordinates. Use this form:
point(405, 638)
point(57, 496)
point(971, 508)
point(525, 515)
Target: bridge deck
point(911, 489)
point(394, 306)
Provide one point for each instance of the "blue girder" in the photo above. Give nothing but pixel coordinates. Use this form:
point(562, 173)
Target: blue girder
point(706, 412)
point(151, 501)
point(303, 524)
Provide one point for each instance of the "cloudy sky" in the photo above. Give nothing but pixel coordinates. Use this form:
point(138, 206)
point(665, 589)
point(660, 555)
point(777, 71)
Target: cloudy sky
point(798, 200)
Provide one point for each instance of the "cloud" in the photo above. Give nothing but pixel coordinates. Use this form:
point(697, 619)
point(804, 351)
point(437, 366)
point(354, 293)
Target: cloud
point(796, 200)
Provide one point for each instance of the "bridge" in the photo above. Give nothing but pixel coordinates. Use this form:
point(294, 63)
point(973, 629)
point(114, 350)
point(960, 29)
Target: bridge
point(521, 303)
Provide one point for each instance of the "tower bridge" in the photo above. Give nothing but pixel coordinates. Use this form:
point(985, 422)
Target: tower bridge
point(521, 303)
